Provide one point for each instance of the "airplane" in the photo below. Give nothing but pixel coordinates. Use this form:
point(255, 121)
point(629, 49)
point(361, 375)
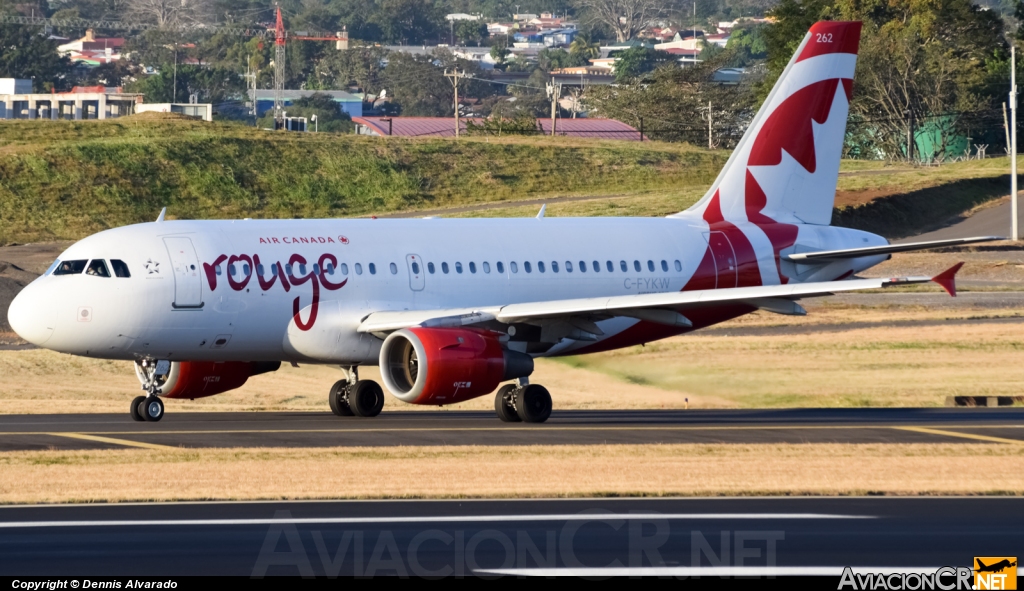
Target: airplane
point(451, 309)
point(994, 568)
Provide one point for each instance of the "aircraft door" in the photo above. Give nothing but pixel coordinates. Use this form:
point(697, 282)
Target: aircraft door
point(188, 285)
point(416, 272)
point(725, 259)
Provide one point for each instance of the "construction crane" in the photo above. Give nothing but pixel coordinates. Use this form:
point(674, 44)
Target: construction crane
point(280, 38)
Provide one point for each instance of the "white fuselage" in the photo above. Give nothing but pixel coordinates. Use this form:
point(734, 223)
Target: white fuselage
point(208, 304)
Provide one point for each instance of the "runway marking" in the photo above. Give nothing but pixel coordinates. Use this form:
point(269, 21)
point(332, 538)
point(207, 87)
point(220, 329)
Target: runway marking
point(963, 435)
point(114, 441)
point(547, 428)
point(705, 571)
point(429, 519)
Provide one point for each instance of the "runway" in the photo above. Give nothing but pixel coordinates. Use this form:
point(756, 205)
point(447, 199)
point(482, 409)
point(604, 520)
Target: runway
point(696, 537)
point(566, 427)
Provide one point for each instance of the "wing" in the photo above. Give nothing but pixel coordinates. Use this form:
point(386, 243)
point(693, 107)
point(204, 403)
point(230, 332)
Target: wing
point(664, 308)
point(827, 256)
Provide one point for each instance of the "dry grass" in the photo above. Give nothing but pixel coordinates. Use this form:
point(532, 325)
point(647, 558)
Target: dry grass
point(29, 380)
point(535, 471)
point(887, 366)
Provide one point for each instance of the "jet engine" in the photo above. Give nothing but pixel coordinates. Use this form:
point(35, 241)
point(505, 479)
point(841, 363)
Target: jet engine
point(196, 379)
point(447, 365)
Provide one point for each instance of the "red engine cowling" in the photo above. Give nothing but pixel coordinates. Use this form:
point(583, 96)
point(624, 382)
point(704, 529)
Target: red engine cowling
point(196, 379)
point(447, 365)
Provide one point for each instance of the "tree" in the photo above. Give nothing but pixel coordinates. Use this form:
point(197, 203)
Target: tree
point(625, 18)
point(470, 31)
point(673, 103)
point(329, 117)
point(584, 47)
point(637, 61)
point(499, 54)
point(162, 13)
point(25, 53)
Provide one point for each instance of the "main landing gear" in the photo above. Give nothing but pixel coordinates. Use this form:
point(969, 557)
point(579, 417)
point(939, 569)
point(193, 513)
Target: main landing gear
point(151, 373)
point(355, 397)
point(530, 403)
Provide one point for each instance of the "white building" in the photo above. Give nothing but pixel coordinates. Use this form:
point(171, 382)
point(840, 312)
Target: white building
point(462, 16)
point(89, 102)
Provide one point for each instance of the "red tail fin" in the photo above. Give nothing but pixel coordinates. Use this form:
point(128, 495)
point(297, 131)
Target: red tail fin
point(947, 279)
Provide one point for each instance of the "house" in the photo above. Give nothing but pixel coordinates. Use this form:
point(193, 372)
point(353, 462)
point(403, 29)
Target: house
point(462, 16)
point(347, 102)
point(499, 28)
point(90, 43)
point(608, 129)
point(524, 17)
point(720, 39)
point(558, 37)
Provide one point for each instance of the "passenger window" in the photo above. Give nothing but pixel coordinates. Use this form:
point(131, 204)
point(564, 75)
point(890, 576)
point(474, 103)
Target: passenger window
point(246, 270)
point(302, 268)
point(415, 268)
point(120, 269)
point(568, 266)
point(597, 266)
point(394, 269)
point(330, 268)
point(444, 268)
point(514, 267)
point(430, 267)
point(623, 266)
point(664, 266)
point(344, 269)
point(487, 267)
point(650, 265)
point(359, 269)
point(609, 266)
point(540, 266)
point(554, 266)
point(458, 267)
point(636, 265)
point(679, 266)
point(288, 269)
point(373, 268)
point(70, 267)
point(472, 267)
point(583, 266)
point(273, 270)
point(501, 266)
point(97, 268)
point(526, 267)
point(259, 269)
point(231, 270)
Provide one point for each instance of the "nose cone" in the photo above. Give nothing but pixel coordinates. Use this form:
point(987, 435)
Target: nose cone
point(32, 316)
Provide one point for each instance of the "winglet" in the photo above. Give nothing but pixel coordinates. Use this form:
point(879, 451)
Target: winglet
point(160, 217)
point(543, 208)
point(947, 279)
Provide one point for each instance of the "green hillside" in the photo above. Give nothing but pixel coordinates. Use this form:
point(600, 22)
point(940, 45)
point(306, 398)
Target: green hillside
point(65, 180)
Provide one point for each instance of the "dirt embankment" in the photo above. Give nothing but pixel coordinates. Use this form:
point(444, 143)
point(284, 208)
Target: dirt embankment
point(19, 265)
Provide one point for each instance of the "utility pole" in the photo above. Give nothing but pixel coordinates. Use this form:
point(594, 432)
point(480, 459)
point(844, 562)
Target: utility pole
point(1013, 139)
point(554, 91)
point(174, 98)
point(1006, 128)
point(710, 143)
point(454, 76)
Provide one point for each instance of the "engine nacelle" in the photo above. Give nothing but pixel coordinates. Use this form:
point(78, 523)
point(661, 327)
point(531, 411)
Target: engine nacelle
point(196, 379)
point(447, 365)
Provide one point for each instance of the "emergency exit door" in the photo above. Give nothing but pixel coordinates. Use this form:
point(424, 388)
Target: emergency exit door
point(416, 272)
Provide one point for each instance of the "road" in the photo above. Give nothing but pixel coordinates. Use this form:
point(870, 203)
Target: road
point(989, 221)
point(589, 537)
point(567, 427)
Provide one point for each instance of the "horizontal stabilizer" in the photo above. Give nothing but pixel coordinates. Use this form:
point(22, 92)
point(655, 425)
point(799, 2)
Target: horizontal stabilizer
point(827, 256)
point(947, 279)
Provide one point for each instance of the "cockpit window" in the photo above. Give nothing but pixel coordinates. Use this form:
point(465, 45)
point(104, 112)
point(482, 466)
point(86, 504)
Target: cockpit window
point(70, 267)
point(120, 269)
point(98, 268)
point(53, 267)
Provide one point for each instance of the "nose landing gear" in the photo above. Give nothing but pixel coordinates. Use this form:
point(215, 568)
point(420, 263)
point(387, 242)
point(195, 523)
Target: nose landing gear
point(152, 374)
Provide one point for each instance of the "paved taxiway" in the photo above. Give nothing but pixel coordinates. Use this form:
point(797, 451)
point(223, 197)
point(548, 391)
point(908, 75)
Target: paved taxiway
point(682, 537)
point(417, 428)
